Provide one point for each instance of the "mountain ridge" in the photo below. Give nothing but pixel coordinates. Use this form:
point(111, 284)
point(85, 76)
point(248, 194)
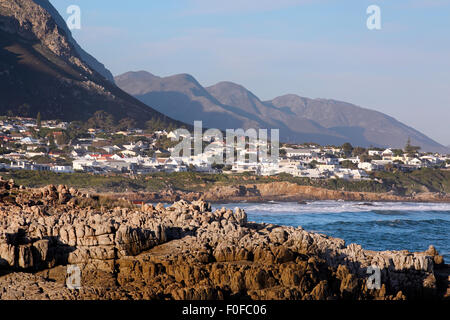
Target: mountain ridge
point(182, 97)
point(41, 70)
point(85, 56)
point(300, 119)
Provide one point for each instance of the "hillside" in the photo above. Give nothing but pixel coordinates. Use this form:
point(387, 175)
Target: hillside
point(86, 57)
point(183, 98)
point(229, 105)
point(365, 127)
point(42, 69)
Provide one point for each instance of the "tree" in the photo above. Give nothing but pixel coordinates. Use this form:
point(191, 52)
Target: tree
point(101, 120)
point(348, 164)
point(38, 120)
point(42, 159)
point(62, 138)
point(347, 148)
point(51, 141)
point(389, 167)
point(397, 152)
point(3, 150)
point(126, 124)
point(376, 157)
point(365, 158)
point(24, 110)
point(41, 149)
point(217, 166)
point(313, 164)
point(410, 149)
point(358, 151)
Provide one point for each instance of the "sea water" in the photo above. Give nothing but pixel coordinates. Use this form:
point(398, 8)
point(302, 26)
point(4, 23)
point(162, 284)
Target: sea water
point(375, 226)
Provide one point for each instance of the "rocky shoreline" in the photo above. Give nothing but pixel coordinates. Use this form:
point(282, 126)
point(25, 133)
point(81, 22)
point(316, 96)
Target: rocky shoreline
point(275, 191)
point(187, 251)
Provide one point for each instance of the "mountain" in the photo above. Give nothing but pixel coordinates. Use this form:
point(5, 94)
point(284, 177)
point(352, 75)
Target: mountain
point(182, 97)
point(364, 126)
point(229, 105)
point(86, 57)
point(179, 97)
point(43, 69)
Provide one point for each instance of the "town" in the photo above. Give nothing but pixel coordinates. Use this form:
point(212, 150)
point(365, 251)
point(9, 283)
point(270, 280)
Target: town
point(98, 147)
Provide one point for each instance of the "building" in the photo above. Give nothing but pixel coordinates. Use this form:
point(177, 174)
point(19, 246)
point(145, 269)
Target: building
point(62, 169)
point(368, 166)
point(373, 153)
point(387, 154)
point(298, 153)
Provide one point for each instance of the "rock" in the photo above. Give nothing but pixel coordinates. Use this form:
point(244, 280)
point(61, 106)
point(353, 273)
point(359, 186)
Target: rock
point(186, 251)
point(320, 292)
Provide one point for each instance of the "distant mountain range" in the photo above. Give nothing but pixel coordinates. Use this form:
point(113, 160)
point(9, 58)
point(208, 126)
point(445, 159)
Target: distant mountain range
point(43, 69)
point(229, 105)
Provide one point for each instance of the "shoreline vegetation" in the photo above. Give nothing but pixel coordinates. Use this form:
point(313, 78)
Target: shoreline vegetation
point(425, 185)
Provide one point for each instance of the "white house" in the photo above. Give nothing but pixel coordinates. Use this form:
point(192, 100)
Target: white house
point(62, 169)
point(387, 154)
point(367, 166)
point(327, 167)
point(240, 167)
point(129, 153)
point(29, 140)
point(432, 159)
point(375, 153)
point(310, 173)
point(354, 160)
point(80, 164)
point(359, 175)
point(415, 162)
point(291, 153)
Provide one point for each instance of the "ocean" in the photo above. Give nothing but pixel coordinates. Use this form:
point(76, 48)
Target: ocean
point(375, 226)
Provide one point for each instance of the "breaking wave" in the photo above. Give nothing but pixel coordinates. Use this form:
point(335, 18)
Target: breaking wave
point(376, 226)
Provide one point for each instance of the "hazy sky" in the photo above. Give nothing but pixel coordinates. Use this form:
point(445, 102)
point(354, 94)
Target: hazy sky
point(316, 49)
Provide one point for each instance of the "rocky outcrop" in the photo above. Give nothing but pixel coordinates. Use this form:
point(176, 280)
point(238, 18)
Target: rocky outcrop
point(186, 251)
point(276, 191)
point(86, 57)
point(30, 21)
point(287, 191)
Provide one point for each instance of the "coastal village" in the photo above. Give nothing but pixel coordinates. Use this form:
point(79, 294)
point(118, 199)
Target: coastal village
point(61, 147)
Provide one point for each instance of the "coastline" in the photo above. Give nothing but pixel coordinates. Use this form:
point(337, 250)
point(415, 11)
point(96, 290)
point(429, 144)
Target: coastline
point(188, 252)
point(274, 191)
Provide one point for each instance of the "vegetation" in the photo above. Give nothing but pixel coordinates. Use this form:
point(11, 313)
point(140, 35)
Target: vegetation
point(347, 148)
point(423, 180)
point(411, 150)
point(39, 120)
point(433, 180)
point(348, 164)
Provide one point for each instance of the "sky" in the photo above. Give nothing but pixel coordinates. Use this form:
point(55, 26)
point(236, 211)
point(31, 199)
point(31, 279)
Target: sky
point(313, 48)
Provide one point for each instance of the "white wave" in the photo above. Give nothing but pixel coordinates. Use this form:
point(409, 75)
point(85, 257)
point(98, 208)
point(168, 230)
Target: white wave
point(331, 206)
